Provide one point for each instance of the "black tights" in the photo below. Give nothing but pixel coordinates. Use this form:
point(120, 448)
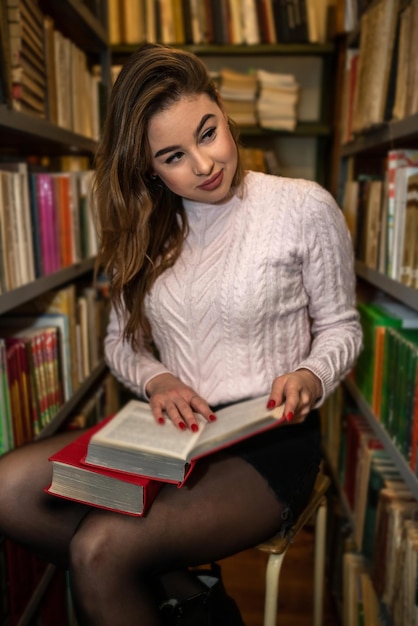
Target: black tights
point(226, 507)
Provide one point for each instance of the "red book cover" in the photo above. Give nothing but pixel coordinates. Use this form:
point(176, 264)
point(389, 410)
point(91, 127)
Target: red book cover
point(357, 427)
point(94, 484)
point(20, 393)
point(65, 221)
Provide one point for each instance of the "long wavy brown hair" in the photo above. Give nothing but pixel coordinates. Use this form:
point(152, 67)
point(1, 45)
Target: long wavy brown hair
point(141, 223)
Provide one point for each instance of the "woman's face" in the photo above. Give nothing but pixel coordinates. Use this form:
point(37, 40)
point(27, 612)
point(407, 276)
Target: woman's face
point(192, 149)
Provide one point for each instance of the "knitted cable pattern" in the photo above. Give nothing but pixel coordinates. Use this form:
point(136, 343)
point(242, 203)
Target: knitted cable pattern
point(235, 311)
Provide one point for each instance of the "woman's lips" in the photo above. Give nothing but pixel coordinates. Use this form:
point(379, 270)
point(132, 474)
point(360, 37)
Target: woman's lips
point(213, 183)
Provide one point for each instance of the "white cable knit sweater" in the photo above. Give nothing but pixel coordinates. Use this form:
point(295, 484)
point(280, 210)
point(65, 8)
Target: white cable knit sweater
point(233, 313)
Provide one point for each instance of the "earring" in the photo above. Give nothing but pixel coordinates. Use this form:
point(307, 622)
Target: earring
point(154, 176)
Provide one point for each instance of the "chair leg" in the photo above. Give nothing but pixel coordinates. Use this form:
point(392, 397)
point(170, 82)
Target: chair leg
point(274, 565)
point(319, 567)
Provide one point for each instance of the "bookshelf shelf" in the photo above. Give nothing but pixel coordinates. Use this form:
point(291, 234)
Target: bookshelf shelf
point(289, 49)
point(12, 299)
point(86, 29)
point(32, 135)
point(303, 129)
point(403, 467)
point(394, 288)
point(386, 136)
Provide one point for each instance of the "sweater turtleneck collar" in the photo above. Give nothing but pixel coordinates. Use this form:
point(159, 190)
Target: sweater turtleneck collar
point(195, 210)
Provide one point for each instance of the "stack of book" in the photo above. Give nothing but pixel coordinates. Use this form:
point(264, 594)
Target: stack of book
point(277, 101)
point(121, 463)
point(239, 92)
point(27, 57)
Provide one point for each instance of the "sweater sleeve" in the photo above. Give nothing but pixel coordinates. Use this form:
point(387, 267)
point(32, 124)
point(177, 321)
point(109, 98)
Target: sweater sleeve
point(132, 368)
point(329, 279)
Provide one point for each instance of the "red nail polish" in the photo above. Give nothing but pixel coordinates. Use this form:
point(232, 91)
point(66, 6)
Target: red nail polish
point(212, 417)
point(271, 404)
point(182, 426)
point(161, 420)
point(194, 428)
point(289, 416)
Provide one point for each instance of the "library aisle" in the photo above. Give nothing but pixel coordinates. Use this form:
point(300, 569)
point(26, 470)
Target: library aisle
point(244, 576)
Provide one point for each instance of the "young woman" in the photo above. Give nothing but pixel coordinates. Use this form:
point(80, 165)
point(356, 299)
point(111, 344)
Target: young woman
point(243, 285)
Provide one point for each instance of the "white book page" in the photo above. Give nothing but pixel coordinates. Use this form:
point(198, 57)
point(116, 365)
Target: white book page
point(135, 428)
point(234, 420)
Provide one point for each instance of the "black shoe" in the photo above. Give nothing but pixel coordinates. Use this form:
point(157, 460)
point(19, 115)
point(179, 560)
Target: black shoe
point(213, 607)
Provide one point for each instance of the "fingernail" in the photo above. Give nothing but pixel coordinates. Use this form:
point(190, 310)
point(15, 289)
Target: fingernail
point(289, 416)
point(271, 404)
point(212, 417)
point(182, 426)
point(194, 428)
point(161, 420)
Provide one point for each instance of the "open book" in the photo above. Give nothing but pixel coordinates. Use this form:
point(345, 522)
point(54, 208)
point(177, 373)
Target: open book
point(97, 486)
point(133, 442)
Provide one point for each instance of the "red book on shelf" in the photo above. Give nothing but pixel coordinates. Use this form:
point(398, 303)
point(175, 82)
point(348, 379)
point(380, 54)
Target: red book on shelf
point(96, 486)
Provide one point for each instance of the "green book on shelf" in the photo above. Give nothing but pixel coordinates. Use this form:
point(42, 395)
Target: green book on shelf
point(407, 389)
point(371, 317)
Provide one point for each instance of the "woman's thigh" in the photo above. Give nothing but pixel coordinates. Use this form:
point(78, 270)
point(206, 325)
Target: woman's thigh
point(226, 506)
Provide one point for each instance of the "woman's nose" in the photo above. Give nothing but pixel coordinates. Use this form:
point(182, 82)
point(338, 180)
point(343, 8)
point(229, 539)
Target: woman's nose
point(202, 165)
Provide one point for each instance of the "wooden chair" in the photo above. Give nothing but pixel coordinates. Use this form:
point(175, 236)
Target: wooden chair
point(277, 547)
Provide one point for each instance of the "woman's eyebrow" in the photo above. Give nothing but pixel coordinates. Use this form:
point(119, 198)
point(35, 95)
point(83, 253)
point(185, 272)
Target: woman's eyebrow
point(201, 124)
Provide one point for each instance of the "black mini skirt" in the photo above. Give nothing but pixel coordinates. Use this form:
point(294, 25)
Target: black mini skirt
point(289, 458)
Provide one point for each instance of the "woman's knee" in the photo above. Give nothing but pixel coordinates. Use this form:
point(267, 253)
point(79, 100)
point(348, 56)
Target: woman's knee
point(101, 545)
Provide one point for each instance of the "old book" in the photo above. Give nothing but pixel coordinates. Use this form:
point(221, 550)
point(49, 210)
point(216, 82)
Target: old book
point(401, 190)
point(411, 104)
point(409, 250)
point(133, 442)
point(378, 28)
point(396, 158)
point(71, 479)
point(133, 21)
point(115, 20)
point(373, 212)
point(23, 218)
point(404, 44)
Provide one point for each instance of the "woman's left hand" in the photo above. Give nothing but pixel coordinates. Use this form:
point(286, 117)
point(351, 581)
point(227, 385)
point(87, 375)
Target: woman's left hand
point(299, 391)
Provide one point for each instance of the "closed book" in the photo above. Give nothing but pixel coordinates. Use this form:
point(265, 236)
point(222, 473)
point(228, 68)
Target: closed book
point(48, 227)
point(99, 487)
point(6, 427)
point(133, 442)
point(371, 317)
point(20, 322)
point(409, 252)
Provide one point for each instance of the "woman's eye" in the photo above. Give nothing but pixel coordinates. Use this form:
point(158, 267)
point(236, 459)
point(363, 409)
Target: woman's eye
point(174, 157)
point(209, 134)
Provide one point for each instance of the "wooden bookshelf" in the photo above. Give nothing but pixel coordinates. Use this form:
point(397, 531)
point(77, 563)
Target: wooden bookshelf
point(365, 155)
point(26, 137)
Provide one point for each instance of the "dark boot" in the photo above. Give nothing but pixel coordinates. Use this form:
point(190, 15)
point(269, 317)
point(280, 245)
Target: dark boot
point(210, 607)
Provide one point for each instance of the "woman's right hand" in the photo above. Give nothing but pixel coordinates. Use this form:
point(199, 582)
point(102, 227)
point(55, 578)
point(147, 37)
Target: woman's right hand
point(172, 398)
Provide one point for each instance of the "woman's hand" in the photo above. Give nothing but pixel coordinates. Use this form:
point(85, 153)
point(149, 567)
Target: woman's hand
point(299, 391)
point(169, 396)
